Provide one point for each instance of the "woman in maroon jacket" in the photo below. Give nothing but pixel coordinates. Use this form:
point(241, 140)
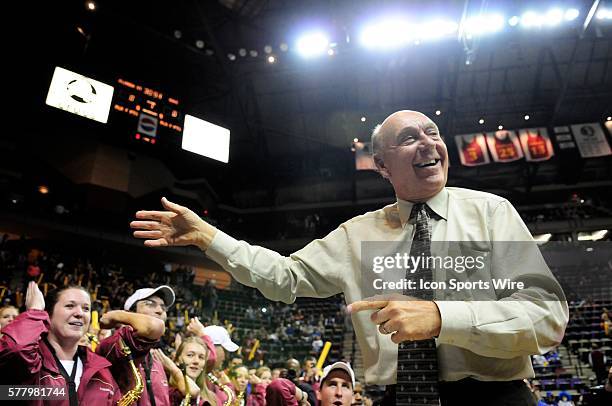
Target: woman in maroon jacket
point(41, 348)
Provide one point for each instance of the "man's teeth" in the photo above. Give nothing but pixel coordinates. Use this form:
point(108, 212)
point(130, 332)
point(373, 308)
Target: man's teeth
point(76, 323)
point(427, 163)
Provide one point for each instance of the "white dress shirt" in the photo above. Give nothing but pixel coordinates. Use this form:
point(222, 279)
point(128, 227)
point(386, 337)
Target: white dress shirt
point(485, 340)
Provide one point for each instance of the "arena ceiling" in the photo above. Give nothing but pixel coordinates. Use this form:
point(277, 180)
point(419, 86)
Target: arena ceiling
point(293, 122)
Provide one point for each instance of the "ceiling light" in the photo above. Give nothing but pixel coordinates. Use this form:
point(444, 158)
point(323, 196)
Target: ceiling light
point(312, 44)
point(571, 14)
point(271, 59)
point(363, 119)
point(485, 23)
point(438, 112)
point(500, 127)
point(386, 34)
point(527, 117)
point(481, 121)
point(514, 20)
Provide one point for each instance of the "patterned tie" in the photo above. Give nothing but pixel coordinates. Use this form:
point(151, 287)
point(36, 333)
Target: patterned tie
point(417, 361)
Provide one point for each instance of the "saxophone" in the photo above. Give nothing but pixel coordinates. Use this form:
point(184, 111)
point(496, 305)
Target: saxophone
point(240, 398)
point(187, 400)
point(228, 391)
point(133, 394)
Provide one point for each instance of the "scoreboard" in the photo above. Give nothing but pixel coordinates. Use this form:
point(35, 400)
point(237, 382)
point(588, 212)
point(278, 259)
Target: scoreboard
point(153, 111)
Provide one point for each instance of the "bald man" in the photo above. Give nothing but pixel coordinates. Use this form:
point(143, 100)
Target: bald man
point(482, 346)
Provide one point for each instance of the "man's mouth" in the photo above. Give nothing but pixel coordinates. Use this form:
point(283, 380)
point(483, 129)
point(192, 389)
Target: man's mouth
point(425, 164)
point(76, 323)
point(338, 403)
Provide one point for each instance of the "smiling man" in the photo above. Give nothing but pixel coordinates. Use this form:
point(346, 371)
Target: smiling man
point(479, 347)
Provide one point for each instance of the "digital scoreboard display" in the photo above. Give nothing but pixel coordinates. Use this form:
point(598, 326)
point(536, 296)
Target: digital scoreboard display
point(154, 112)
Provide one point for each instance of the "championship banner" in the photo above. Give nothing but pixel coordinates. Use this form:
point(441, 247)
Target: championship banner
point(536, 144)
point(504, 146)
point(591, 140)
point(363, 156)
point(472, 149)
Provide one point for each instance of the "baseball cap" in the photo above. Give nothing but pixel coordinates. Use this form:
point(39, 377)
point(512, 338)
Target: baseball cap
point(338, 365)
point(165, 292)
point(220, 336)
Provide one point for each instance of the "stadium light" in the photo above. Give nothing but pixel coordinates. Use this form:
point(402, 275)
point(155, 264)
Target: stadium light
point(553, 17)
point(514, 20)
point(386, 34)
point(437, 29)
point(312, 44)
point(483, 24)
point(571, 14)
point(531, 19)
point(604, 14)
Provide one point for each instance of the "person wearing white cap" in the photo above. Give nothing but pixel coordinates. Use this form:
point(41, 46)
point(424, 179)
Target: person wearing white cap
point(222, 341)
point(140, 325)
point(337, 385)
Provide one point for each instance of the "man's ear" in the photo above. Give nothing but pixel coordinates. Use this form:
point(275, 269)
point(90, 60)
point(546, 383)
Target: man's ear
point(318, 393)
point(380, 165)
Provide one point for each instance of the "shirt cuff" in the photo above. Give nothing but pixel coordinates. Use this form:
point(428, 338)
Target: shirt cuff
point(456, 323)
point(221, 247)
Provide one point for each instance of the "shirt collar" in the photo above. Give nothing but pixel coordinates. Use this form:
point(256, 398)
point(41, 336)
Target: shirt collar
point(438, 203)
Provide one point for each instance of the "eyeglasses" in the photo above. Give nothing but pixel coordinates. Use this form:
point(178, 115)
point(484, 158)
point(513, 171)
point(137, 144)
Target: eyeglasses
point(154, 304)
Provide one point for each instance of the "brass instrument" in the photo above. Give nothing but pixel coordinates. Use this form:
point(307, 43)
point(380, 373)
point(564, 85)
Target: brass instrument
point(228, 391)
point(187, 400)
point(239, 398)
point(133, 394)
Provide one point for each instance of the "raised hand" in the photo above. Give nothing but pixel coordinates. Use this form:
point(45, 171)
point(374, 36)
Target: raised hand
point(177, 226)
point(169, 366)
point(34, 297)
point(195, 327)
point(109, 320)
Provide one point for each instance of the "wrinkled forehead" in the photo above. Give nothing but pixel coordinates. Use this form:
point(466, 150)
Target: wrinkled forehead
point(405, 122)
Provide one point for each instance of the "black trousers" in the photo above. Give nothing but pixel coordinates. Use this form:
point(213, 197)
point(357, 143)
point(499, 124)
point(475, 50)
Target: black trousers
point(470, 392)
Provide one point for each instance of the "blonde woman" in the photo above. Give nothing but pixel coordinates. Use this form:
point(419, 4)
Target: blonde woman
point(191, 357)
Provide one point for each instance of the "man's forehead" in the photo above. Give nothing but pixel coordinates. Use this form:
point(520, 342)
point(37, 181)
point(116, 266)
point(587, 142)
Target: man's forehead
point(155, 298)
point(338, 374)
point(405, 120)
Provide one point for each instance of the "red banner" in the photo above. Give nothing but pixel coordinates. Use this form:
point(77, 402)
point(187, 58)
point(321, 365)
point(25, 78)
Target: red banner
point(472, 149)
point(504, 146)
point(536, 144)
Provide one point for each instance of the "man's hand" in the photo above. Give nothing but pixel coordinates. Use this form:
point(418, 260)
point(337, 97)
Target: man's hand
point(404, 317)
point(109, 320)
point(195, 327)
point(34, 297)
point(178, 226)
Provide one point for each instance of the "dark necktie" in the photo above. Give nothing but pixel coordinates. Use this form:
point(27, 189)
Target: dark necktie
point(417, 361)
